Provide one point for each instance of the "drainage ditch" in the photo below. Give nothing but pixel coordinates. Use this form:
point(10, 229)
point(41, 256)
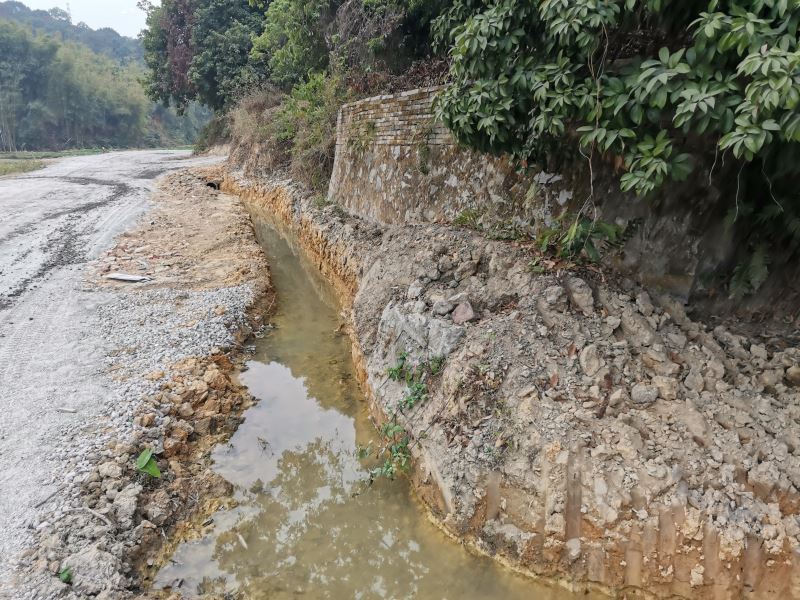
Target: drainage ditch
point(307, 522)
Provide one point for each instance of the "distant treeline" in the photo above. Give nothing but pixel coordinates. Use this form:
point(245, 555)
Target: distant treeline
point(56, 93)
point(58, 24)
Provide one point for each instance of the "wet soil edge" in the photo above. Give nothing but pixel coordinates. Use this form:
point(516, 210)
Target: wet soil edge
point(335, 262)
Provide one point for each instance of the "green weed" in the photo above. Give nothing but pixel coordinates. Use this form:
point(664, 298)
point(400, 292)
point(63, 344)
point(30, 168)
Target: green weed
point(362, 137)
point(573, 237)
point(469, 218)
point(147, 464)
point(65, 575)
point(16, 166)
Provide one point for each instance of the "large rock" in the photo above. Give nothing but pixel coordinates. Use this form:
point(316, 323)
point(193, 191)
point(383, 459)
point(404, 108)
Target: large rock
point(644, 304)
point(667, 387)
point(643, 394)
point(110, 470)
point(555, 298)
point(94, 570)
point(463, 313)
point(695, 423)
point(157, 510)
point(793, 375)
point(125, 504)
point(580, 295)
point(590, 360)
point(413, 331)
point(636, 329)
point(443, 337)
point(442, 307)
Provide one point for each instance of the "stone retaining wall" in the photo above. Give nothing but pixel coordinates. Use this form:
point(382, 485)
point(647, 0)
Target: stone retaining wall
point(396, 164)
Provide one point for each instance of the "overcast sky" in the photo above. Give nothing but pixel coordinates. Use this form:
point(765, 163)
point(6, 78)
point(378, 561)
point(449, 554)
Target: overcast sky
point(121, 15)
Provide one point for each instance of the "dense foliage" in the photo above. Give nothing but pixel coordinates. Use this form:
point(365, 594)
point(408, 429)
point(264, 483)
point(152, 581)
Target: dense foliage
point(57, 95)
point(655, 87)
point(642, 80)
point(280, 70)
point(293, 44)
point(216, 51)
point(199, 50)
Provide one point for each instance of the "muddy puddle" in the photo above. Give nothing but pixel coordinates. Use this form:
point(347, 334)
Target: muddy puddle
point(307, 524)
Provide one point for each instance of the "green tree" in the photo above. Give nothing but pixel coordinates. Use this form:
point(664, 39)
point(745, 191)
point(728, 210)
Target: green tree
point(23, 63)
point(222, 38)
point(293, 43)
point(199, 50)
point(57, 24)
point(658, 86)
point(56, 95)
point(168, 51)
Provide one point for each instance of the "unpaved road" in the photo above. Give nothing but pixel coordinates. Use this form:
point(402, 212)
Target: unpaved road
point(52, 222)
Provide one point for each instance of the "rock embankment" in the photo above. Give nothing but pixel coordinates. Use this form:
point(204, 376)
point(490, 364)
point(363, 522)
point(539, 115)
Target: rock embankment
point(578, 429)
point(171, 344)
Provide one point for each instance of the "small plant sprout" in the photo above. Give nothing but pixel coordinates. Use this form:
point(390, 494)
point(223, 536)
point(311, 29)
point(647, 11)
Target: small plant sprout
point(65, 575)
point(417, 392)
point(395, 451)
point(396, 373)
point(437, 362)
point(363, 452)
point(147, 464)
point(573, 237)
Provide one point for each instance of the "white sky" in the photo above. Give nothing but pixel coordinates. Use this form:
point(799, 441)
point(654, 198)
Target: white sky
point(121, 15)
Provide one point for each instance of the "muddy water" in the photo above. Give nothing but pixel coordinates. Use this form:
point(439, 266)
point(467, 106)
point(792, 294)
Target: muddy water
point(307, 524)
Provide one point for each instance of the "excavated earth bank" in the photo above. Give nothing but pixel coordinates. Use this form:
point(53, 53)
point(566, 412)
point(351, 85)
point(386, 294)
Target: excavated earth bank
point(176, 341)
point(580, 430)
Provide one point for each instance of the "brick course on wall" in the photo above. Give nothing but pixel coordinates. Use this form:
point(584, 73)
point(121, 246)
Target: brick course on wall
point(396, 164)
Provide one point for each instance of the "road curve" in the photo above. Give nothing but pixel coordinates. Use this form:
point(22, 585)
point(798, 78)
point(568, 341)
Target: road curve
point(52, 222)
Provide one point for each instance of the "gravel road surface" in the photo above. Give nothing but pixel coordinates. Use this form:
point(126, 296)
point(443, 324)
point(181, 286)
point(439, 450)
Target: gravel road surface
point(53, 393)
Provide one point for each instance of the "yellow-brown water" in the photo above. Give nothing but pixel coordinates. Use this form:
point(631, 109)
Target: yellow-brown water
point(308, 525)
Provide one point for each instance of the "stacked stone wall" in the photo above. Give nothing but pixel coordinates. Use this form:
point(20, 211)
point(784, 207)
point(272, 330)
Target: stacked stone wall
point(396, 164)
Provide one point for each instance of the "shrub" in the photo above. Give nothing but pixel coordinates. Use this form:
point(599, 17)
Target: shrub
point(653, 86)
point(217, 131)
point(307, 120)
point(626, 76)
point(255, 133)
point(293, 43)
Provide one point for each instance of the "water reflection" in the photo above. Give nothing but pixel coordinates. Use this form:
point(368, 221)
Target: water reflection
point(307, 524)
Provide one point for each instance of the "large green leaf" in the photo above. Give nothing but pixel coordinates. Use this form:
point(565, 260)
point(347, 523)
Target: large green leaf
point(147, 464)
point(144, 458)
point(151, 468)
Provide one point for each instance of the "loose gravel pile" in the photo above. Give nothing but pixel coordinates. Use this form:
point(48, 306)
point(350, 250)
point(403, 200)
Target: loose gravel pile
point(166, 387)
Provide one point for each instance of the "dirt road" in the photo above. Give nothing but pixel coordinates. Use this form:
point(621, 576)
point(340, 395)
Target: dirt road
point(52, 222)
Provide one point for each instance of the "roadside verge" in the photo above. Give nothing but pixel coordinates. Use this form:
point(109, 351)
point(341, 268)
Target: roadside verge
point(171, 344)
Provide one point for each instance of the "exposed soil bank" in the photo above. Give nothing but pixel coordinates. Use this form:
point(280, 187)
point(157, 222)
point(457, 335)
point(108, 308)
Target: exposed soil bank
point(307, 521)
point(172, 346)
point(579, 430)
